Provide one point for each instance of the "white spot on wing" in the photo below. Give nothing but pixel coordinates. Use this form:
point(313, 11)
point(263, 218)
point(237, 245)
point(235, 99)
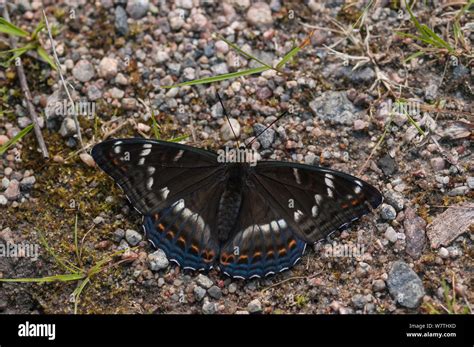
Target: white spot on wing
point(297, 175)
point(178, 156)
point(330, 193)
point(357, 189)
point(147, 145)
point(298, 215)
point(145, 152)
point(282, 224)
point(164, 192)
point(314, 211)
point(141, 161)
point(151, 170)
point(328, 180)
point(318, 199)
point(359, 183)
point(149, 183)
point(117, 149)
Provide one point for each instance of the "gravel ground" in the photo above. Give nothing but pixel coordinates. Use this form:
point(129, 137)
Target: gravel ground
point(117, 53)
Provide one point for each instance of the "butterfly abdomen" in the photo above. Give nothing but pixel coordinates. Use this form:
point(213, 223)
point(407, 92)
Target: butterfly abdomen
point(229, 204)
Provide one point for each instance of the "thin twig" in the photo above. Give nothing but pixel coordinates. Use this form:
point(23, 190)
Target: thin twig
point(27, 93)
point(58, 65)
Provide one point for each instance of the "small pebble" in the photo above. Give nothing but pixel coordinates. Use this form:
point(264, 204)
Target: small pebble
point(133, 237)
point(254, 306)
point(387, 212)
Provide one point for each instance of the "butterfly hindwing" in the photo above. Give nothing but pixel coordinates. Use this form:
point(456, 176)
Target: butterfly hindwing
point(263, 243)
point(315, 201)
point(184, 230)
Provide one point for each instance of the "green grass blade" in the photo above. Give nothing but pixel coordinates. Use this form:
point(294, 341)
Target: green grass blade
point(289, 55)
point(155, 126)
point(78, 291)
point(41, 25)
point(15, 139)
point(245, 54)
point(8, 28)
point(76, 243)
point(436, 38)
point(219, 77)
point(414, 55)
point(178, 138)
point(55, 278)
point(68, 266)
point(45, 56)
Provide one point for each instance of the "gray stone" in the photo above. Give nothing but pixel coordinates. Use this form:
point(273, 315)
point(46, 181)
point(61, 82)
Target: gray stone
point(259, 14)
point(387, 212)
point(391, 234)
point(189, 73)
point(219, 69)
point(334, 106)
point(266, 138)
point(437, 163)
point(133, 237)
point(217, 111)
point(116, 93)
point(176, 22)
point(83, 71)
point(470, 182)
point(359, 300)
point(209, 307)
point(97, 220)
point(199, 293)
point(415, 233)
point(3, 200)
point(232, 288)
point(68, 127)
point(5, 182)
point(443, 253)
point(137, 8)
point(388, 165)
point(118, 235)
point(264, 93)
point(186, 4)
point(121, 25)
point(23, 122)
point(404, 285)
point(459, 191)
point(158, 260)
point(215, 292)
point(27, 182)
point(431, 92)
point(254, 306)
point(161, 57)
point(108, 68)
point(93, 92)
point(13, 190)
point(226, 129)
point(204, 281)
point(378, 285)
point(395, 199)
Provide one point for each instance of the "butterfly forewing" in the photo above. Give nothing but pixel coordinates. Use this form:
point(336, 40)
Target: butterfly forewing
point(315, 201)
point(154, 174)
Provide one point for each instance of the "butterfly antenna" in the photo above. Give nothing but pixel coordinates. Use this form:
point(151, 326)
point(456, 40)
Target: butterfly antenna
point(227, 117)
point(260, 133)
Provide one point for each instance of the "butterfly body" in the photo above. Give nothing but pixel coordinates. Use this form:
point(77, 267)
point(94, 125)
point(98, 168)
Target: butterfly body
point(248, 219)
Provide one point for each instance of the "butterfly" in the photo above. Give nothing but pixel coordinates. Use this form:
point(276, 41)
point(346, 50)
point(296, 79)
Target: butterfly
point(248, 219)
